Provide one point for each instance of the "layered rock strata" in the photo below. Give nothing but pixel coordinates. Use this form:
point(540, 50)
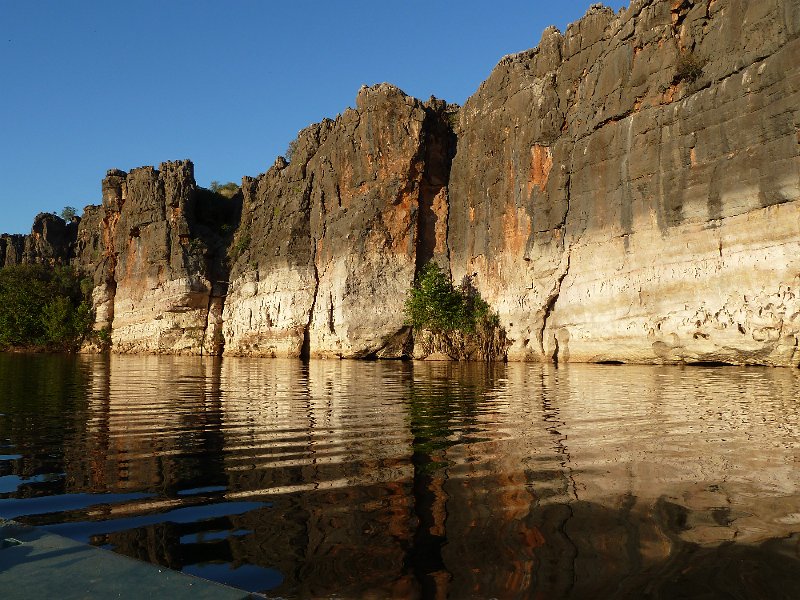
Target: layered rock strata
point(155, 249)
point(625, 192)
point(628, 190)
point(330, 242)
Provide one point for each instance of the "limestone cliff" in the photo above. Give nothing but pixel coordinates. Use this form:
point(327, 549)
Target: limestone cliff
point(330, 242)
point(153, 249)
point(628, 190)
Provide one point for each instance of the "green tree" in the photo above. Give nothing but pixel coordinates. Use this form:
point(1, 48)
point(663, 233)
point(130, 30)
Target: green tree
point(42, 306)
point(68, 213)
point(228, 190)
point(453, 320)
point(434, 303)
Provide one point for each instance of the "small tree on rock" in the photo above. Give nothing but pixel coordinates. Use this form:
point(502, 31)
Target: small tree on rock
point(453, 320)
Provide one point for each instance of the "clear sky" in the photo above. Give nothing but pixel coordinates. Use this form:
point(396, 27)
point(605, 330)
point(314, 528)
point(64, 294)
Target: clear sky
point(93, 85)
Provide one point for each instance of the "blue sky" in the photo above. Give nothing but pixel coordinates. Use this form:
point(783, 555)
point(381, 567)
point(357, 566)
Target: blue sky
point(89, 86)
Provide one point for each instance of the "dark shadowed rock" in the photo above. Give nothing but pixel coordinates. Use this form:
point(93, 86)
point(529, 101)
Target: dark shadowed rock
point(12, 247)
point(51, 242)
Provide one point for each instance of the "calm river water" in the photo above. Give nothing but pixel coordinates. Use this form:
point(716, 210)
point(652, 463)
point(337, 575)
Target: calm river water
point(415, 480)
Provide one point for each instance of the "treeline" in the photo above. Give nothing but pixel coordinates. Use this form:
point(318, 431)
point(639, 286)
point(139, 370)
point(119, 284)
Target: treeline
point(44, 308)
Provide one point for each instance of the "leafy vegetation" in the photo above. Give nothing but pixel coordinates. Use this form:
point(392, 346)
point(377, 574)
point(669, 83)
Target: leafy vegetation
point(436, 305)
point(103, 337)
point(291, 149)
point(68, 213)
point(452, 118)
point(239, 246)
point(43, 307)
point(689, 67)
point(457, 321)
point(197, 246)
point(229, 190)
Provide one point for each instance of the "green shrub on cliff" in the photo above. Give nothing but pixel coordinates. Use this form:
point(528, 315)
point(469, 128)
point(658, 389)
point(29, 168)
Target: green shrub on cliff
point(434, 303)
point(689, 67)
point(453, 320)
point(43, 307)
point(229, 190)
point(241, 244)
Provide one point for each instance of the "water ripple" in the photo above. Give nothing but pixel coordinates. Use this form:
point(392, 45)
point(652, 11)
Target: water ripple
point(394, 479)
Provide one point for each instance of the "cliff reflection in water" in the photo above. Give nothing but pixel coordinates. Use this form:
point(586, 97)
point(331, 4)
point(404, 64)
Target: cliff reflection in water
point(415, 480)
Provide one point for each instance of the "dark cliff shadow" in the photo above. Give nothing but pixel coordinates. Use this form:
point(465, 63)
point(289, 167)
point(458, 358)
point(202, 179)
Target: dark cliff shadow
point(441, 143)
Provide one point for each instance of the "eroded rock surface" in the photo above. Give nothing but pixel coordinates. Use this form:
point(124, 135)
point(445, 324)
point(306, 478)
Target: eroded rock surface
point(154, 251)
point(618, 207)
point(329, 242)
point(12, 247)
point(626, 191)
point(51, 242)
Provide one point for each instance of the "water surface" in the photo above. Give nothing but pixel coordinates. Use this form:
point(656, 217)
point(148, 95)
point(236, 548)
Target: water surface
point(423, 480)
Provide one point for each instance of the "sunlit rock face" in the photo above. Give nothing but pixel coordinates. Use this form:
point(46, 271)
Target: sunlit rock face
point(626, 191)
point(619, 207)
point(152, 261)
point(161, 298)
point(330, 241)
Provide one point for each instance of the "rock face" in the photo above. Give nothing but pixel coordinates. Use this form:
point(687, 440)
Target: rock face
point(51, 241)
point(153, 249)
point(330, 242)
point(12, 247)
point(628, 190)
point(162, 292)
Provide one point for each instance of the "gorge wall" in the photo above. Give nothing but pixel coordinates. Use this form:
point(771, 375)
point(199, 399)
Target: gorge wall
point(620, 207)
point(625, 192)
point(329, 243)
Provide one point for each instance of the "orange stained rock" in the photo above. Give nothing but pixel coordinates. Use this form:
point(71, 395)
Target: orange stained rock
point(440, 209)
point(397, 219)
point(516, 229)
point(346, 191)
point(132, 256)
point(541, 164)
point(109, 231)
point(318, 255)
point(677, 7)
point(669, 94)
